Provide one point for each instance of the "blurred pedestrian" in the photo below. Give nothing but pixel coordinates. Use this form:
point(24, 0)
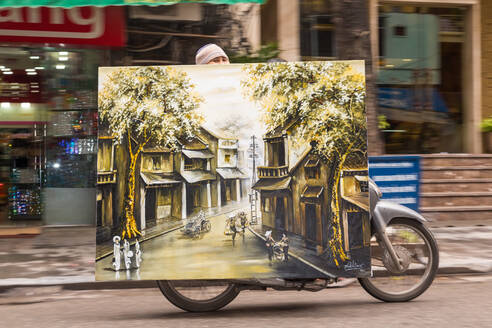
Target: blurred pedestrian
point(285, 247)
point(232, 227)
point(244, 220)
point(269, 242)
point(211, 54)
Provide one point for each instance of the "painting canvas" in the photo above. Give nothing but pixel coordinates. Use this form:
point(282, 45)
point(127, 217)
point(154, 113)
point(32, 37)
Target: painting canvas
point(232, 172)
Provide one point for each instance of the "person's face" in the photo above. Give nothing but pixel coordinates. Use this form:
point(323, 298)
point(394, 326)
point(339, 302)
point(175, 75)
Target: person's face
point(219, 61)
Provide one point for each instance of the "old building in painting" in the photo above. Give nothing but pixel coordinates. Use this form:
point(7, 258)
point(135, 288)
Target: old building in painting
point(296, 191)
point(355, 206)
point(106, 180)
point(201, 173)
point(231, 182)
point(160, 187)
point(196, 162)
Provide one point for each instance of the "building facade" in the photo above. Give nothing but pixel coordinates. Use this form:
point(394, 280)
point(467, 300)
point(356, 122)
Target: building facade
point(48, 92)
point(232, 181)
point(160, 187)
point(429, 85)
point(49, 109)
point(197, 166)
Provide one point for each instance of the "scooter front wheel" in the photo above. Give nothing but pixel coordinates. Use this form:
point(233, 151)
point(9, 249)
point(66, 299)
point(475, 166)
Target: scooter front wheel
point(419, 258)
point(198, 295)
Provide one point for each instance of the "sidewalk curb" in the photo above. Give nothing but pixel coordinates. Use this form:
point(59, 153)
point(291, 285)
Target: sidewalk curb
point(95, 285)
point(461, 270)
point(133, 284)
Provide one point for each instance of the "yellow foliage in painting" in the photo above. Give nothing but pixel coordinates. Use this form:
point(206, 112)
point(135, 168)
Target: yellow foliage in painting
point(327, 100)
point(142, 105)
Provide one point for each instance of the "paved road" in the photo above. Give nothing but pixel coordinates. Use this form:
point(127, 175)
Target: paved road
point(213, 255)
point(451, 302)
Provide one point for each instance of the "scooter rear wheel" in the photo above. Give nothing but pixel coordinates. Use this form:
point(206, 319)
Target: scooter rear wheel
point(198, 295)
point(419, 254)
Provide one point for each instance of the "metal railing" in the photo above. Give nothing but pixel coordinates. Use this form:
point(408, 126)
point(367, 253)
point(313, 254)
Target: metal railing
point(273, 172)
point(106, 177)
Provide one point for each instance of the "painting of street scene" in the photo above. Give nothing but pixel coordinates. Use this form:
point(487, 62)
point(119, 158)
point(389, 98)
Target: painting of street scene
point(232, 172)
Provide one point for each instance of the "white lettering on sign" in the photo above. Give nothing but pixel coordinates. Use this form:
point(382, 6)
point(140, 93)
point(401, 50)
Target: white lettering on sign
point(392, 165)
point(388, 190)
point(74, 15)
point(408, 200)
point(399, 177)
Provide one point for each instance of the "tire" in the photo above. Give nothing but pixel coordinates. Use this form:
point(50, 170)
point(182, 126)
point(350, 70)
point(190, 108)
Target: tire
point(169, 290)
point(429, 272)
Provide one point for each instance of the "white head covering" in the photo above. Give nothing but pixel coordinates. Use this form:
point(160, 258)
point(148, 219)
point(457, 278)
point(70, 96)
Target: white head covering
point(268, 233)
point(209, 52)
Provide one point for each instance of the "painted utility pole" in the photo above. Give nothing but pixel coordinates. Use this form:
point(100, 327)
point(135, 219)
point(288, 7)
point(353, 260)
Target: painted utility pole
point(253, 196)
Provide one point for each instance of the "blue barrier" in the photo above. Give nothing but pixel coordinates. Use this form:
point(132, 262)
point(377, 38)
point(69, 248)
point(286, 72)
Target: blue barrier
point(398, 177)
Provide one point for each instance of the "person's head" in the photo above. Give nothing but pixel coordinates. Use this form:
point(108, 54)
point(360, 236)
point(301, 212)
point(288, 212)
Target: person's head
point(211, 54)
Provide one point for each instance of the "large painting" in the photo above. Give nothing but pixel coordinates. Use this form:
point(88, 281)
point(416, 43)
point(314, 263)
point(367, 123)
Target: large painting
point(232, 172)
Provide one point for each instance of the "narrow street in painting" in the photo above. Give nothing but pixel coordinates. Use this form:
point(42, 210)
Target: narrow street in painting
point(212, 255)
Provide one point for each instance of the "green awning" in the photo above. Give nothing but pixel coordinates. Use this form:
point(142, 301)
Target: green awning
point(102, 3)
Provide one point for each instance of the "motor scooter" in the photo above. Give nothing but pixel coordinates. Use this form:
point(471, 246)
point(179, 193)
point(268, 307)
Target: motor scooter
point(404, 262)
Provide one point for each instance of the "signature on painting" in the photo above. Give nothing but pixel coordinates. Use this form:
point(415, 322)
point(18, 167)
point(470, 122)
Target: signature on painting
point(352, 265)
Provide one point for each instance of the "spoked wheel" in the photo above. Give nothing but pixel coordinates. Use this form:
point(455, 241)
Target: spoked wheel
point(419, 258)
point(198, 295)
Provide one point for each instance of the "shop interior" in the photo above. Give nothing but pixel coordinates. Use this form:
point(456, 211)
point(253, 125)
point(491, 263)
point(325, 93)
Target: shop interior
point(48, 126)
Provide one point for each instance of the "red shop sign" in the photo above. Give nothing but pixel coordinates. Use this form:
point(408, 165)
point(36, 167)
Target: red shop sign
point(79, 25)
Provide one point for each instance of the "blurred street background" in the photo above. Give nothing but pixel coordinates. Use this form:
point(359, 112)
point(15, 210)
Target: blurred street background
point(429, 92)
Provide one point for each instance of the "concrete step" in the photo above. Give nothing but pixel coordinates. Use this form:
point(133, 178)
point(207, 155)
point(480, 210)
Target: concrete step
point(456, 159)
point(454, 213)
point(457, 172)
point(455, 185)
point(441, 199)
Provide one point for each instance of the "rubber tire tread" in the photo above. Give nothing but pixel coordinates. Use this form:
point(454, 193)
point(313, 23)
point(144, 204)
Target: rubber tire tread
point(387, 297)
point(189, 305)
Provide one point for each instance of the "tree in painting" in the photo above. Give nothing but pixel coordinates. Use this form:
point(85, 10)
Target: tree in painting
point(326, 100)
point(156, 105)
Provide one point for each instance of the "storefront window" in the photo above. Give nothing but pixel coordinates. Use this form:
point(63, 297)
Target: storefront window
point(48, 123)
point(72, 132)
point(420, 78)
point(317, 30)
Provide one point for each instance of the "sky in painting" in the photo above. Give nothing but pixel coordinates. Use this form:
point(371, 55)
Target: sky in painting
point(220, 86)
